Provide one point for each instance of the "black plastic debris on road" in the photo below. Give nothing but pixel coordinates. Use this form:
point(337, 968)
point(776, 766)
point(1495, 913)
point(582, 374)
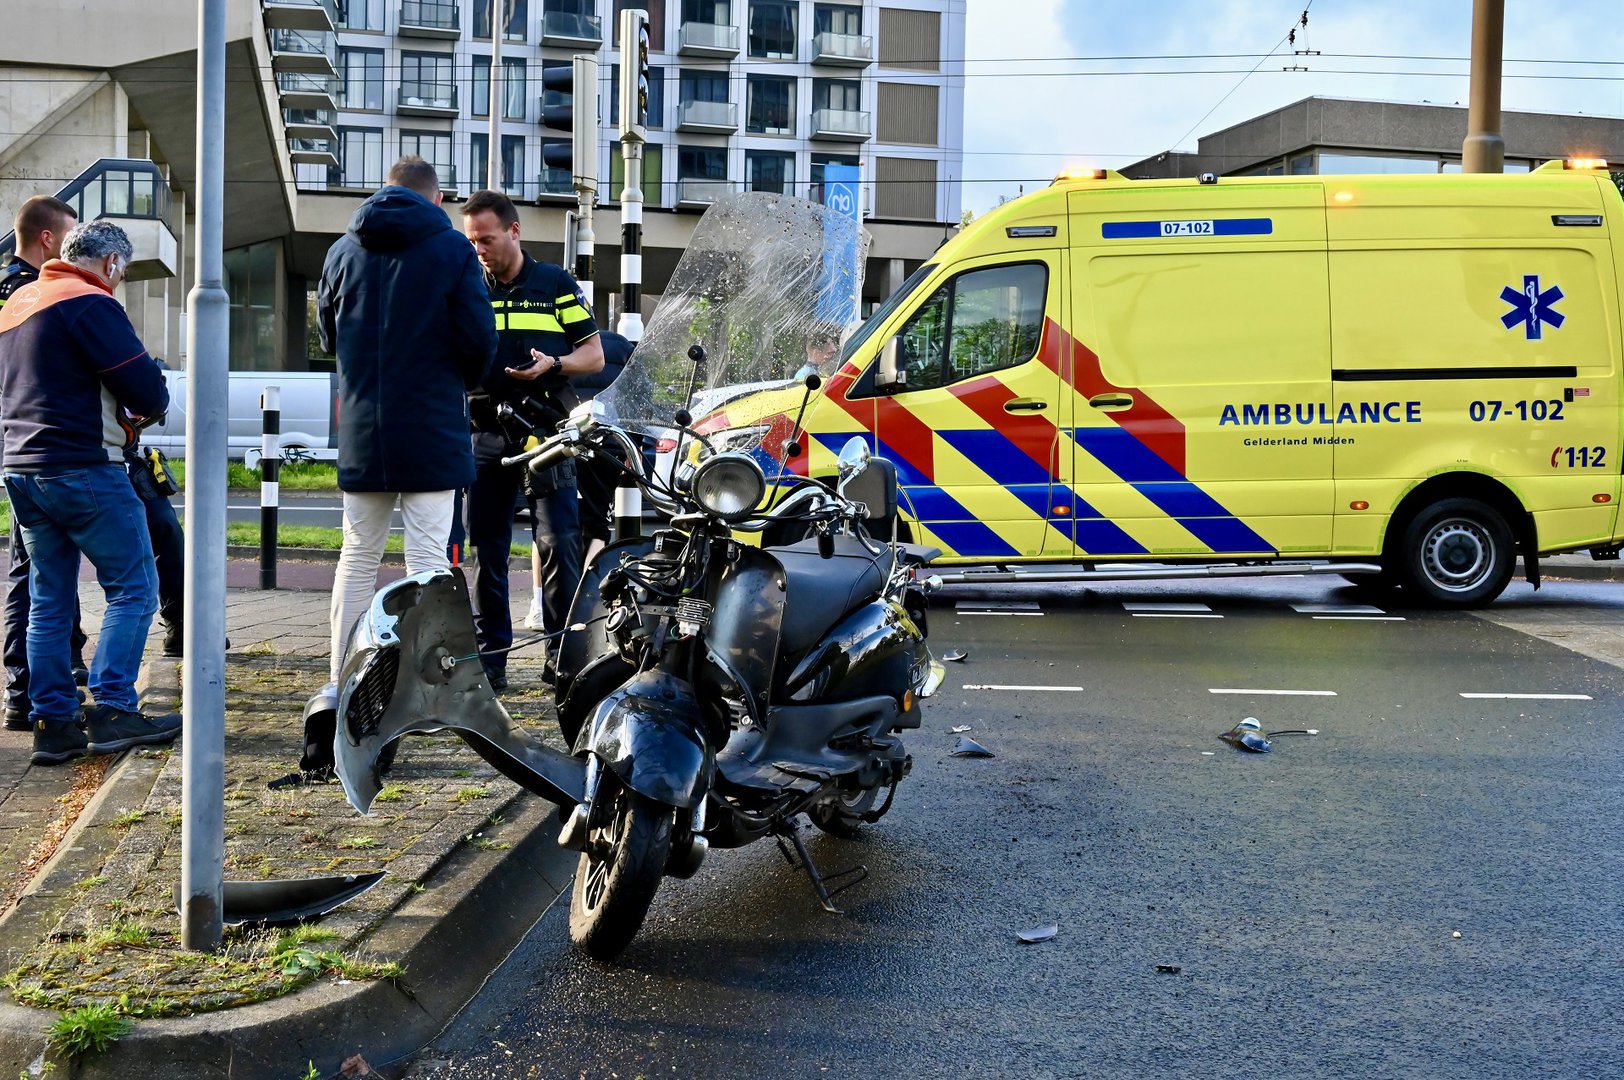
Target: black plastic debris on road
point(1037, 933)
point(968, 747)
point(1248, 735)
point(955, 655)
point(1168, 969)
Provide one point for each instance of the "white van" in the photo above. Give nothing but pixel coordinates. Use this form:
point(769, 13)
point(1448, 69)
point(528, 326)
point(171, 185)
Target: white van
point(309, 415)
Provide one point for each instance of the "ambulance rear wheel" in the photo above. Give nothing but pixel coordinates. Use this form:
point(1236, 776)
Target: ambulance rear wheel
point(1457, 553)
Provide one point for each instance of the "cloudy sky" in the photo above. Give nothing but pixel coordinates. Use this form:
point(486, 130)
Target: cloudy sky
point(1028, 111)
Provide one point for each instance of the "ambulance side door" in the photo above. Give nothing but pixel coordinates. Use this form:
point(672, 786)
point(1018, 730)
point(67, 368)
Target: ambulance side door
point(974, 427)
point(1201, 369)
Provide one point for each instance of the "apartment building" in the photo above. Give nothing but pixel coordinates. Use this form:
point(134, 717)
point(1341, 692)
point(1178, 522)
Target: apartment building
point(743, 95)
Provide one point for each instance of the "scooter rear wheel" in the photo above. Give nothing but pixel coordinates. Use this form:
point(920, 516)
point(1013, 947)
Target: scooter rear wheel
point(619, 871)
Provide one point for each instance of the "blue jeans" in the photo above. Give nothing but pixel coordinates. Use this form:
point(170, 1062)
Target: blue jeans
point(93, 511)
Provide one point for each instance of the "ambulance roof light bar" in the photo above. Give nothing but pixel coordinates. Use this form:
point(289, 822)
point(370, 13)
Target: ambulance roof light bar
point(1077, 173)
point(1574, 164)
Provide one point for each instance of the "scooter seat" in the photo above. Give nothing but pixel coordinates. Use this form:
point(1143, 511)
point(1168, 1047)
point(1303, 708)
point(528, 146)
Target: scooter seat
point(820, 591)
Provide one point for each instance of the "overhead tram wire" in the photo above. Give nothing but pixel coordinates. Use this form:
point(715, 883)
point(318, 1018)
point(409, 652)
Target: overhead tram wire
point(1289, 35)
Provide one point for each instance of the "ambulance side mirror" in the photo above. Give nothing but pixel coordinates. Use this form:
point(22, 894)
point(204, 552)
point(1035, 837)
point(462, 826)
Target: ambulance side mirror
point(891, 378)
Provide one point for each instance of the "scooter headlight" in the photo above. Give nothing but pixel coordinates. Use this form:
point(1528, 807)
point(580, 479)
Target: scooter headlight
point(729, 485)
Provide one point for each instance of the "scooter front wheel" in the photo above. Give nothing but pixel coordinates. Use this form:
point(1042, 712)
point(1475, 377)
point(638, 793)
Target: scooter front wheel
point(627, 845)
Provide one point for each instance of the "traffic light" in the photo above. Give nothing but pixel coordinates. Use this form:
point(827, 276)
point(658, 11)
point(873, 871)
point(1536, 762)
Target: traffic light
point(633, 73)
point(572, 106)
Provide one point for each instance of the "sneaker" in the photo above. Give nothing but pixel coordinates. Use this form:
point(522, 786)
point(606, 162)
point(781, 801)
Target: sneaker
point(174, 639)
point(81, 677)
point(17, 718)
point(112, 730)
point(57, 742)
point(532, 621)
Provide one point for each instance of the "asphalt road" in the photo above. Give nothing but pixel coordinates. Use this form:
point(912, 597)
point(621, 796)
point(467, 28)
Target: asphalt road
point(1221, 914)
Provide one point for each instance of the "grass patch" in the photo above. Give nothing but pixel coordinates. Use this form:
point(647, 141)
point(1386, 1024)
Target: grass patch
point(481, 843)
point(469, 794)
point(294, 475)
point(129, 818)
point(391, 793)
point(358, 843)
point(246, 534)
point(89, 1029)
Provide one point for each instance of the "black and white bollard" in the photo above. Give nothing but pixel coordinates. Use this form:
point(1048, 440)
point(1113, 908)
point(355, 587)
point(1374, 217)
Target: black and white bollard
point(270, 465)
point(628, 508)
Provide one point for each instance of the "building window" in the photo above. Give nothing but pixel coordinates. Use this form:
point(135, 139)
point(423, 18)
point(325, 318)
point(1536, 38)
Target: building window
point(1332, 164)
point(772, 29)
point(816, 171)
point(653, 173)
point(770, 108)
point(656, 23)
point(701, 163)
point(656, 96)
point(360, 159)
point(837, 19)
point(433, 147)
point(360, 78)
point(841, 95)
point(714, 12)
point(518, 12)
point(513, 182)
point(513, 88)
point(426, 79)
point(703, 86)
point(768, 170)
point(360, 14)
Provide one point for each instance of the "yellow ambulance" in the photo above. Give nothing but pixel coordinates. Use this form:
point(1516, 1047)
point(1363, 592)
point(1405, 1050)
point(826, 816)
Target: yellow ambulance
point(1416, 376)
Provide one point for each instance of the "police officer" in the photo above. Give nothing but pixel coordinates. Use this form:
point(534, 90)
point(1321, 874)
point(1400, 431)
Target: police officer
point(545, 334)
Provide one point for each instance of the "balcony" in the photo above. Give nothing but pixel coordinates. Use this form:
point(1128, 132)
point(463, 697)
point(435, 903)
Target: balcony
point(309, 124)
point(566, 29)
point(430, 19)
point(842, 50)
point(842, 124)
point(314, 152)
point(427, 99)
point(716, 117)
point(136, 193)
point(306, 51)
point(318, 15)
point(556, 184)
point(307, 91)
point(697, 194)
point(708, 39)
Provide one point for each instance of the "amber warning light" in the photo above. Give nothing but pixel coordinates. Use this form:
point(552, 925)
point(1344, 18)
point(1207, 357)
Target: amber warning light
point(1587, 163)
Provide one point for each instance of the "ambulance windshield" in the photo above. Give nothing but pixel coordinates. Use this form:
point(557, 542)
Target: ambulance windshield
point(769, 287)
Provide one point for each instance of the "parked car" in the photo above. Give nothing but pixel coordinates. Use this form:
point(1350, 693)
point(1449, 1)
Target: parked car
point(309, 415)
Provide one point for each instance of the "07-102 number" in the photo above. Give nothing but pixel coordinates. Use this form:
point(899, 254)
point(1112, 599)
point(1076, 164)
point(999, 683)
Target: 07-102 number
point(1539, 409)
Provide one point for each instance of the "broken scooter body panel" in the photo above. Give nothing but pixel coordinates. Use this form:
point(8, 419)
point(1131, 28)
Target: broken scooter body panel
point(412, 667)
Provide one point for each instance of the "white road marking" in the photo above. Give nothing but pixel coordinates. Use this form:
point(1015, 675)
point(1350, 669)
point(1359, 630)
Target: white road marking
point(1172, 615)
point(1272, 693)
point(1363, 618)
point(1165, 607)
point(1533, 697)
point(1039, 614)
point(996, 686)
point(1337, 609)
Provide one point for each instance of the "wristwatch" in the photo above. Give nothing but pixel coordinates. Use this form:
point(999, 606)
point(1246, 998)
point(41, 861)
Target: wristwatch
point(558, 363)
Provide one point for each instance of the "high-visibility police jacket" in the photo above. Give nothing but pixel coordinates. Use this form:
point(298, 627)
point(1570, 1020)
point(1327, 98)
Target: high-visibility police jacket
point(541, 308)
point(17, 273)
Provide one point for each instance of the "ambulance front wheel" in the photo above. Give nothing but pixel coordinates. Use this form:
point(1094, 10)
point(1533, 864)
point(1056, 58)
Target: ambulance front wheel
point(1457, 553)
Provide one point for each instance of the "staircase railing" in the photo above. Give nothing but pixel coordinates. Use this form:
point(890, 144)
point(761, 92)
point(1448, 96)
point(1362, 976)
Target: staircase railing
point(113, 188)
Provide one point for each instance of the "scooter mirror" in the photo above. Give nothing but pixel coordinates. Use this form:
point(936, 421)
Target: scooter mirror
point(853, 460)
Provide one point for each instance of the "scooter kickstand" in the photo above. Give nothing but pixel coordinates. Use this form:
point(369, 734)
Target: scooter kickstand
point(820, 884)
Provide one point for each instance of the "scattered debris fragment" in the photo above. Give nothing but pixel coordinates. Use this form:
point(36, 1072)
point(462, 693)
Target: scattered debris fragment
point(1456, 935)
point(959, 729)
point(1248, 735)
point(1037, 933)
point(356, 1066)
point(1295, 731)
point(955, 655)
point(1168, 969)
point(968, 747)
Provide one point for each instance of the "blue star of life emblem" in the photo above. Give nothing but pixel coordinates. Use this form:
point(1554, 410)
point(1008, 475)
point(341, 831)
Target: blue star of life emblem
point(1531, 307)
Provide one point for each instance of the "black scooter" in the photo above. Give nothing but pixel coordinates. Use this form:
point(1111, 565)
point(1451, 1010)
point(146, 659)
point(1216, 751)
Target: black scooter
point(713, 692)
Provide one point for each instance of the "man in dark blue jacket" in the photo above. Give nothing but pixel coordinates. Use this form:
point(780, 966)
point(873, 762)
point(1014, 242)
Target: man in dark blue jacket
point(75, 386)
point(403, 304)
